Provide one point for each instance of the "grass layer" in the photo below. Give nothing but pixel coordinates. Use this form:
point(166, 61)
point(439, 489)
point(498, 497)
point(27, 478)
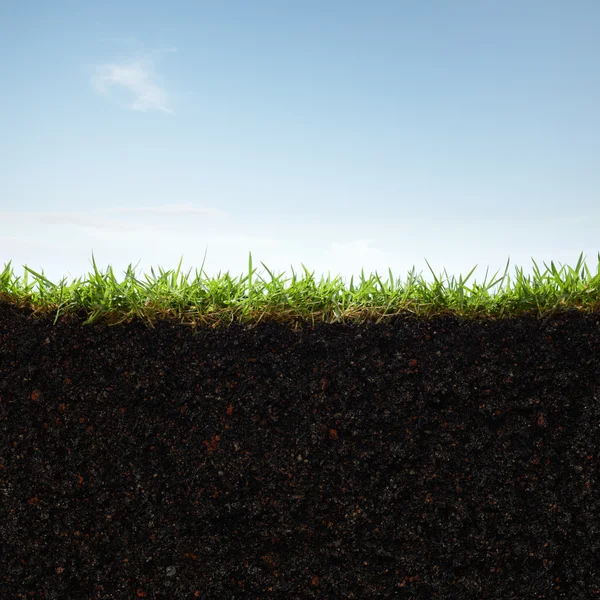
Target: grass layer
point(223, 300)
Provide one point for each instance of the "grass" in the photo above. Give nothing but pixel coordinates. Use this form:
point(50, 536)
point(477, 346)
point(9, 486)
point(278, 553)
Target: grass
point(222, 300)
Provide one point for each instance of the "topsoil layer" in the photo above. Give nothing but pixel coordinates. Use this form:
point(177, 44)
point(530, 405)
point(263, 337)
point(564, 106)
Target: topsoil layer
point(443, 458)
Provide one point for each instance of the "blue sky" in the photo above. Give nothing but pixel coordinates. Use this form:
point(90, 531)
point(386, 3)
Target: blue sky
point(338, 135)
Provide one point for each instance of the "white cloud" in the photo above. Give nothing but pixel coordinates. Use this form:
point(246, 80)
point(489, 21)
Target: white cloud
point(139, 79)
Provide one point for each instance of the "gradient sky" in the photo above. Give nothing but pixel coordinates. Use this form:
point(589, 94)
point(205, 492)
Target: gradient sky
point(339, 135)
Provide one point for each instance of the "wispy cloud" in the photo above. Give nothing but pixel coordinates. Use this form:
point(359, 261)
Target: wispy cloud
point(138, 77)
point(96, 221)
point(172, 209)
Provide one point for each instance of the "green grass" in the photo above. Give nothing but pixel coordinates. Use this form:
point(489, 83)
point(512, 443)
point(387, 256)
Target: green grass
point(221, 300)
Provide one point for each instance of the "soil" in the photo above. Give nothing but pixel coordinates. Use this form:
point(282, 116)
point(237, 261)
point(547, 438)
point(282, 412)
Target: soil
point(420, 458)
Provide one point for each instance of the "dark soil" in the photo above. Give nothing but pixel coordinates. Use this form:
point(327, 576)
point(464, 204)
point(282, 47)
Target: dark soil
point(444, 458)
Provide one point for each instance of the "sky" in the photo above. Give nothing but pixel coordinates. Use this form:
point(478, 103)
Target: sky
point(344, 137)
